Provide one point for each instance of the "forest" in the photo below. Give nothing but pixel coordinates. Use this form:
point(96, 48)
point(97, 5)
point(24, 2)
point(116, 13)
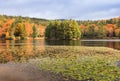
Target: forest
point(17, 27)
point(109, 28)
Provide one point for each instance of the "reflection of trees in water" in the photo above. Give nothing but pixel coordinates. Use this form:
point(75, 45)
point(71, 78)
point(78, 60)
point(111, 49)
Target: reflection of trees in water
point(110, 44)
point(34, 44)
point(115, 45)
point(19, 50)
point(19, 54)
point(28, 49)
point(63, 42)
point(25, 44)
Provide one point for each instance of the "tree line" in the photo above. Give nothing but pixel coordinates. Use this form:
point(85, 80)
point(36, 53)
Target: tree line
point(100, 28)
point(71, 29)
point(23, 27)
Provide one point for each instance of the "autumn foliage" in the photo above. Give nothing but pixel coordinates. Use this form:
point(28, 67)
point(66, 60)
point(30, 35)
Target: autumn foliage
point(22, 27)
point(100, 28)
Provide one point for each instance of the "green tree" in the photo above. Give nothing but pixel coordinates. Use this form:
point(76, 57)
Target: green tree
point(63, 30)
point(54, 30)
point(35, 32)
point(24, 33)
point(118, 23)
point(11, 31)
point(101, 32)
point(91, 33)
point(48, 33)
point(20, 30)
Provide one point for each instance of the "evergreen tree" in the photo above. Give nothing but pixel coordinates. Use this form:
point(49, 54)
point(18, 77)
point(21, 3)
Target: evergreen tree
point(35, 32)
point(91, 31)
point(11, 31)
point(63, 30)
point(118, 23)
point(23, 34)
point(101, 32)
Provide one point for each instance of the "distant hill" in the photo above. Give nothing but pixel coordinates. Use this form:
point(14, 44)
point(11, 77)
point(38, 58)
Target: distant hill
point(33, 20)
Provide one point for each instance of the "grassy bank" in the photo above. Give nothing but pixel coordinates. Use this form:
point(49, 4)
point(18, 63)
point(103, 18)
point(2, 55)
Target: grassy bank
point(81, 63)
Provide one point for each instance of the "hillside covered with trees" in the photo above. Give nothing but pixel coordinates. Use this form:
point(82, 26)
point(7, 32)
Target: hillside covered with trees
point(17, 27)
point(12, 27)
point(100, 28)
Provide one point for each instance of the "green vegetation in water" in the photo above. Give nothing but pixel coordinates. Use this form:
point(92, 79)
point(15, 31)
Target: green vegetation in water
point(81, 63)
point(73, 62)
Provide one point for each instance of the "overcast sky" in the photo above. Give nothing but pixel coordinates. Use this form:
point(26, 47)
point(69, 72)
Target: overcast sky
point(62, 9)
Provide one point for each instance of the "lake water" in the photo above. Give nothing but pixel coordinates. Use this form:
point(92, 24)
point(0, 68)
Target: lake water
point(21, 50)
point(4, 44)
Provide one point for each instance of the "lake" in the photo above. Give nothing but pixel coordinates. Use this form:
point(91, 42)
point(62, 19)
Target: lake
point(112, 43)
point(21, 50)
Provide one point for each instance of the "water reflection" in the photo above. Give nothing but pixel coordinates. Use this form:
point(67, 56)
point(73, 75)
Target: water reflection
point(20, 50)
point(33, 44)
point(63, 42)
point(27, 45)
point(17, 50)
point(102, 43)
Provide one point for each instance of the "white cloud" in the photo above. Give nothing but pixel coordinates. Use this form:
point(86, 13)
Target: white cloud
point(50, 9)
point(101, 14)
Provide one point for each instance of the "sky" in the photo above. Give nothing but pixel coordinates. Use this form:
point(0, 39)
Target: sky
point(62, 9)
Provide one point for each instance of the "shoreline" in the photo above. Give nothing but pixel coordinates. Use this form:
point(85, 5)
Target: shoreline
point(63, 39)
